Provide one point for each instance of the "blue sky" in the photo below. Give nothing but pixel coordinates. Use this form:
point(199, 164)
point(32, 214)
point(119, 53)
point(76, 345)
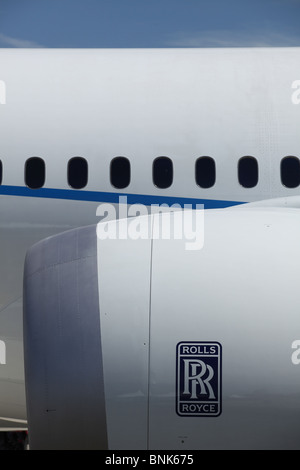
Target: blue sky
point(149, 23)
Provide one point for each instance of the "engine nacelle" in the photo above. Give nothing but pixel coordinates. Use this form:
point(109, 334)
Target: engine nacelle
point(144, 344)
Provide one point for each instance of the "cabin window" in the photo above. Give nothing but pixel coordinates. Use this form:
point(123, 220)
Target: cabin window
point(35, 172)
point(248, 172)
point(162, 172)
point(290, 172)
point(120, 172)
point(205, 172)
point(77, 172)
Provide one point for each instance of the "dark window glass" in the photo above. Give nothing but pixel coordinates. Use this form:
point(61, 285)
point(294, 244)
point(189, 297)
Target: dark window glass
point(248, 172)
point(77, 172)
point(1, 172)
point(205, 172)
point(35, 172)
point(290, 172)
point(162, 172)
point(120, 172)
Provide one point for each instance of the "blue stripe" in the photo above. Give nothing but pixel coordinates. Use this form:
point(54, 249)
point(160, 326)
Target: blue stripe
point(99, 196)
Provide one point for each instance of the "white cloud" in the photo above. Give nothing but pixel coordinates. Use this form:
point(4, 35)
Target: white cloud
point(9, 41)
point(228, 38)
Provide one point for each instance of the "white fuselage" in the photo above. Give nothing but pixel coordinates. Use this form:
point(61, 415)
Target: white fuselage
point(140, 104)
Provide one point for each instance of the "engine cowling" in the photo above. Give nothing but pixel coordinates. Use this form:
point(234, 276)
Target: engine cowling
point(136, 343)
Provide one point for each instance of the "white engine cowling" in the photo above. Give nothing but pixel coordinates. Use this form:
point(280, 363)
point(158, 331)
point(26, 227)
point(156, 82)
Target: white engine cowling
point(144, 344)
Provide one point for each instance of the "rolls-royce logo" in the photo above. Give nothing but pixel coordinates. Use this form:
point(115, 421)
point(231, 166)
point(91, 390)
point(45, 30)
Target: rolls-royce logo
point(198, 388)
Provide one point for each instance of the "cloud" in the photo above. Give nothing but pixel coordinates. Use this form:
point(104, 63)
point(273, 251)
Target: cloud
point(9, 41)
point(228, 38)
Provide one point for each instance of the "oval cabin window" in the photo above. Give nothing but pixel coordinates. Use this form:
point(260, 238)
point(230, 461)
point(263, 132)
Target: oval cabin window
point(35, 173)
point(248, 172)
point(120, 172)
point(205, 172)
point(290, 172)
point(162, 172)
point(77, 172)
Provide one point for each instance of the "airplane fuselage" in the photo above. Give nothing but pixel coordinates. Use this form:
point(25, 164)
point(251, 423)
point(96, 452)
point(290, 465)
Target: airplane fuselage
point(220, 105)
